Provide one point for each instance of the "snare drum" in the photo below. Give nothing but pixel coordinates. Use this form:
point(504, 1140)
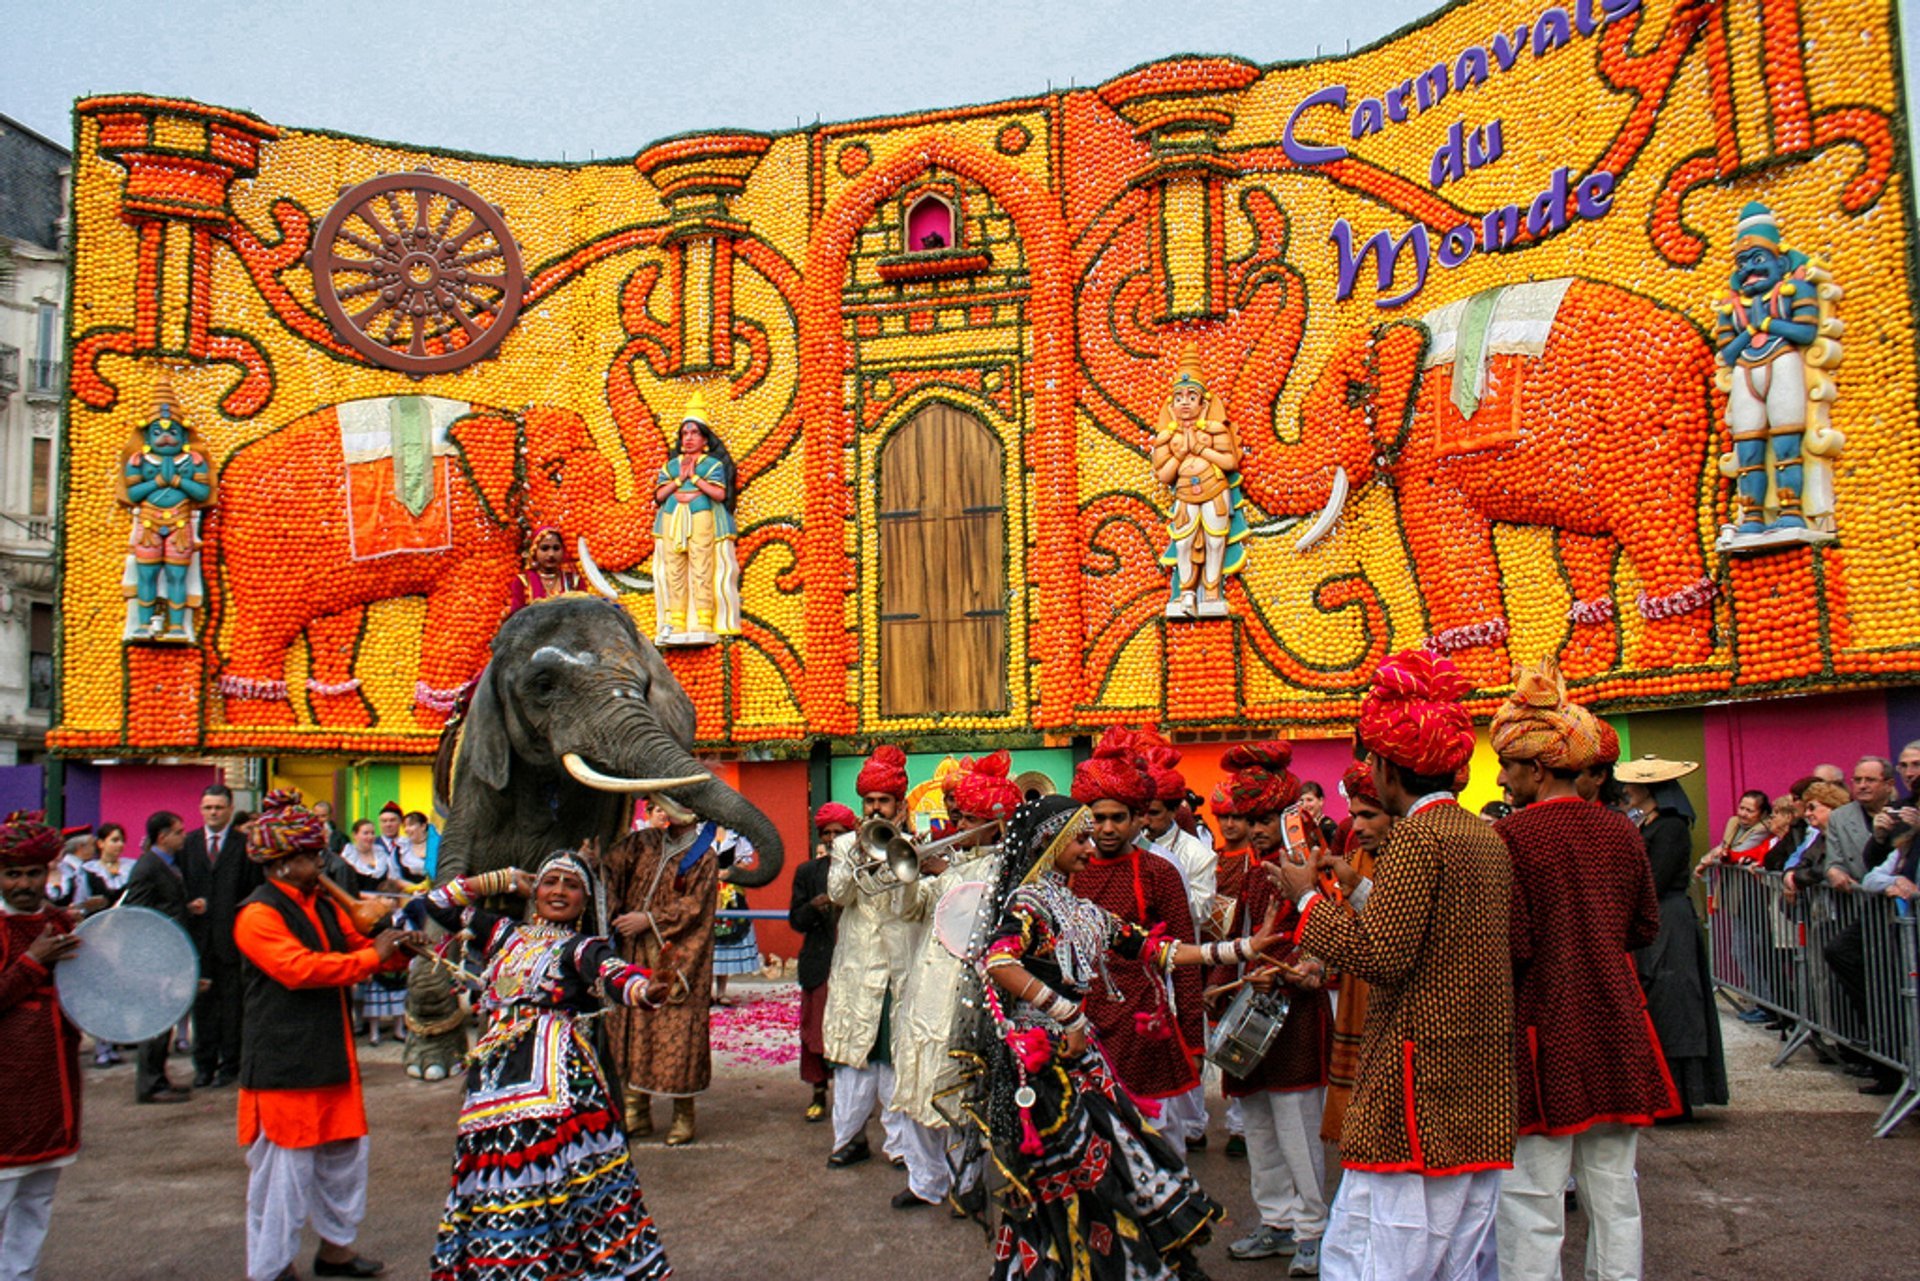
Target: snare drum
point(1247, 1030)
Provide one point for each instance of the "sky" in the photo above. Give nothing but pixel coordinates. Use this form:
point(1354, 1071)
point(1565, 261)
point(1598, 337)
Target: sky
point(569, 79)
point(541, 79)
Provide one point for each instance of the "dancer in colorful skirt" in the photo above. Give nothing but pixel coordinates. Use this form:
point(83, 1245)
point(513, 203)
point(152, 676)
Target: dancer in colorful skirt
point(1093, 1192)
point(542, 1184)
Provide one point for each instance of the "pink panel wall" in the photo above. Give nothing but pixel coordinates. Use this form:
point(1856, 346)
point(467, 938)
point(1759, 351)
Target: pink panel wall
point(129, 792)
point(1321, 760)
point(1770, 744)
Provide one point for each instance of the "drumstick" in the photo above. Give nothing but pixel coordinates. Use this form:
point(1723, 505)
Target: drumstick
point(1225, 988)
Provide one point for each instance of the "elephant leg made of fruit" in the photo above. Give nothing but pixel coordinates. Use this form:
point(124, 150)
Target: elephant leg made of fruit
point(303, 545)
point(1599, 430)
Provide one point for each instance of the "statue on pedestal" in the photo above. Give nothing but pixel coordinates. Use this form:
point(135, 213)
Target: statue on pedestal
point(696, 572)
point(1197, 455)
point(1778, 338)
point(166, 481)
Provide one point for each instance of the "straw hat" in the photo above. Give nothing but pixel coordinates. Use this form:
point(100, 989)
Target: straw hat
point(1653, 769)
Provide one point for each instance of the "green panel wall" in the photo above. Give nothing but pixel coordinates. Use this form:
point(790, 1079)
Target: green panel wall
point(1055, 762)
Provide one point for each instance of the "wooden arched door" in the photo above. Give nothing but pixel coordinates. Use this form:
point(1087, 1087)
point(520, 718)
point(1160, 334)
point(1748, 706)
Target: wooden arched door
point(943, 567)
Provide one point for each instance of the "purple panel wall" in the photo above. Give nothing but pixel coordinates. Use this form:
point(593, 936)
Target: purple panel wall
point(22, 787)
point(82, 793)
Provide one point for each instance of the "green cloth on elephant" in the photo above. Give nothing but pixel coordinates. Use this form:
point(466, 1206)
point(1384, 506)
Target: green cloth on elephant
point(410, 425)
point(1470, 352)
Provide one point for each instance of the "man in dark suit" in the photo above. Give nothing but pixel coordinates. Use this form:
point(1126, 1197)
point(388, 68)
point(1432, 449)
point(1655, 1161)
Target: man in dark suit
point(156, 882)
point(215, 864)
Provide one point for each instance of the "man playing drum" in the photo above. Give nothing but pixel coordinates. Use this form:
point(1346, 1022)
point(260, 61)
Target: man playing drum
point(40, 1065)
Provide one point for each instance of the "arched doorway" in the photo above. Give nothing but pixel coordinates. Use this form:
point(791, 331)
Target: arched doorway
point(943, 575)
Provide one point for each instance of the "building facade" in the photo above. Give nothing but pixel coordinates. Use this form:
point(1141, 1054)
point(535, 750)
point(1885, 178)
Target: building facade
point(34, 176)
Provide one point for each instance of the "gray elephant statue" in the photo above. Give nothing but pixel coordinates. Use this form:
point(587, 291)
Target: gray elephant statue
point(436, 1024)
point(576, 716)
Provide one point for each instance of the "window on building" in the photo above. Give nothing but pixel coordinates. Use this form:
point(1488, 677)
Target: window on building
point(943, 567)
point(930, 224)
point(40, 486)
point(40, 657)
point(44, 375)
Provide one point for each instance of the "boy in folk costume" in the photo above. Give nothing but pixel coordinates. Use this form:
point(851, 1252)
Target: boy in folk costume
point(302, 1118)
point(40, 1065)
point(813, 914)
point(870, 960)
point(1153, 1041)
point(1233, 865)
point(1431, 1124)
point(1367, 826)
point(1185, 1116)
point(1280, 1098)
point(980, 794)
point(1587, 1071)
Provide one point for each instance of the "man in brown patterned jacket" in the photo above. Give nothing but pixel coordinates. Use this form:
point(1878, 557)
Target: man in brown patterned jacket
point(1431, 1124)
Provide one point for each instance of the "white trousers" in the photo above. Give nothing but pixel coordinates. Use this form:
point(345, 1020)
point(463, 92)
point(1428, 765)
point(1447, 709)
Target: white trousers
point(926, 1151)
point(1409, 1227)
point(290, 1187)
point(1286, 1159)
point(26, 1203)
point(1184, 1116)
point(856, 1091)
point(1236, 1118)
point(1533, 1206)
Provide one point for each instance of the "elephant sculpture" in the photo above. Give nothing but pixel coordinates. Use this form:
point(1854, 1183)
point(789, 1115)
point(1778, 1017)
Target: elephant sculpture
point(574, 717)
point(399, 496)
point(1585, 408)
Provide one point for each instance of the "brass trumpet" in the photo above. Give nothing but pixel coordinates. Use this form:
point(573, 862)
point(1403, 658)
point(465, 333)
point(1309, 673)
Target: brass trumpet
point(890, 859)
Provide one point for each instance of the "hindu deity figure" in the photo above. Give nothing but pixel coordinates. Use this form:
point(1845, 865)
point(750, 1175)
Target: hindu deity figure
point(166, 481)
point(1778, 337)
point(696, 572)
point(1196, 454)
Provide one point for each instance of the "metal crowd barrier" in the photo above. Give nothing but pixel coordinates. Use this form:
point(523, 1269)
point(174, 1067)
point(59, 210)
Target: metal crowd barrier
point(1776, 954)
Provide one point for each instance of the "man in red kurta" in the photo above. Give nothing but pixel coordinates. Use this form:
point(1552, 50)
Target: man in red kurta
point(1152, 1049)
point(39, 1047)
point(1587, 1072)
point(301, 1115)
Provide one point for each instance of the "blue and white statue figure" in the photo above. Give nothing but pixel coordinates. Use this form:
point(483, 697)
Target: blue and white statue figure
point(166, 480)
point(1778, 338)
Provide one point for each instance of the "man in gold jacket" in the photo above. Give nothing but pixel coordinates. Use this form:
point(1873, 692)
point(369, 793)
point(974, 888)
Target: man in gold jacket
point(1431, 1124)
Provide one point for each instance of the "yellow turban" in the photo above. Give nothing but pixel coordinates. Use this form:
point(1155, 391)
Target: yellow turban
point(1537, 723)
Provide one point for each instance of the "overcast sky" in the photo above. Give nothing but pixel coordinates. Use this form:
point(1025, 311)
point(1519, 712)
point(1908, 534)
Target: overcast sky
point(543, 78)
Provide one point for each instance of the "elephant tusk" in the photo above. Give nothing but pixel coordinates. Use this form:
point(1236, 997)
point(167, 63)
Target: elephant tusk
point(587, 774)
point(594, 576)
point(1336, 500)
point(678, 814)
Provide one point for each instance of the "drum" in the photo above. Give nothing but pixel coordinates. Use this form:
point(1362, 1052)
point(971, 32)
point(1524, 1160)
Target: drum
point(1246, 1031)
point(133, 976)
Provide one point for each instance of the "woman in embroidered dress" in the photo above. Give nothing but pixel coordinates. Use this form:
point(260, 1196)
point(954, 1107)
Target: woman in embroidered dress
point(370, 869)
point(542, 1183)
point(546, 573)
point(1092, 1191)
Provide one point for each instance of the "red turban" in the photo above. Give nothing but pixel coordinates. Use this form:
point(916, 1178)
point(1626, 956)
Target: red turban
point(1357, 785)
point(1259, 778)
point(1169, 784)
point(1413, 715)
point(983, 788)
point(834, 814)
point(1113, 773)
point(26, 841)
point(885, 772)
point(1221, 800)
point(285, 827)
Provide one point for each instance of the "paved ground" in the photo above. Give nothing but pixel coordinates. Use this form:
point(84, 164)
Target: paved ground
point(1786, 1183)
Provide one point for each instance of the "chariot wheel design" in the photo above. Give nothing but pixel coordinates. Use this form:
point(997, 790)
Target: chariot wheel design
point(417, 273)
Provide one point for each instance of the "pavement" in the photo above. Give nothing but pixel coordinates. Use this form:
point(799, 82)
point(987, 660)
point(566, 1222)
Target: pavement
point(1786, 1182)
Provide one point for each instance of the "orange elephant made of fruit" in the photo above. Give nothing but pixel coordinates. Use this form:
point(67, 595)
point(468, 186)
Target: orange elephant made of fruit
point(373, 500)
point(1569, 404)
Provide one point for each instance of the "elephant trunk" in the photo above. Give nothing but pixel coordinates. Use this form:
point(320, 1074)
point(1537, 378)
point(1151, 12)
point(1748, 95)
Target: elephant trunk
point(633, 755)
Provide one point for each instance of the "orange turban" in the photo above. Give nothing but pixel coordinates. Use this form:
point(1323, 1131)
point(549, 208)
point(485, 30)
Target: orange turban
point(1607, 749)
point(1413, 715)
point(1537, 723)
point(1113, 773)
point(983, 789)
point(885, 772)
point(1260, 781)
point(285, 827)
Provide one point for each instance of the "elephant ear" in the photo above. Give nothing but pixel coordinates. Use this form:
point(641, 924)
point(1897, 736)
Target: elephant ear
point(489, 444)
point(485, 753)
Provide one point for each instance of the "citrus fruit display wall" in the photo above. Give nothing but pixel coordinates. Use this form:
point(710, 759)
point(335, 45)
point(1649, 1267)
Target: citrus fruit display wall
point(1459, 293)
